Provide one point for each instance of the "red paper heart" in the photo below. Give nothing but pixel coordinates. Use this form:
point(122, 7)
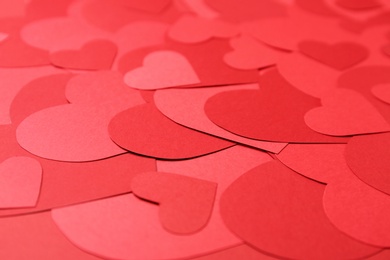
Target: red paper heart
point(193, 29)
point(94, 55)
point(20, 182)
point(145, 130)
point(14, 52)
point(249, 53)
point(274, 209)
point(340, 56)
point(185, 203)
point(269, 113)
point(177, 71)
point(368, 157)
point(345, 112)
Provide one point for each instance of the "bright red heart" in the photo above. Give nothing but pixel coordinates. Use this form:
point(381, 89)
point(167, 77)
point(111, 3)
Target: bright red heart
point(20, 182)
point(368, 156)
point(185, 203)
point(276, 210)
point(340, 56)
point(345, 112)
point(270, 113)
point(94, 55)
point(145, 130)
point(177, 71)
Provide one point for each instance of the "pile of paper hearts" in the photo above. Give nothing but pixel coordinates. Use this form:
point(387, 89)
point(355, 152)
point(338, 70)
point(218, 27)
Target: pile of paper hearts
point(195, 129)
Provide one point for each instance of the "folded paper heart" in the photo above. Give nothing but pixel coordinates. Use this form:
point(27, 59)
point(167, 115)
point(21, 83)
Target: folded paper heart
point(175, 71)
point(339, 56)
point(94, 55)
point(345, 112)
point(185, 203)
point(20, 182)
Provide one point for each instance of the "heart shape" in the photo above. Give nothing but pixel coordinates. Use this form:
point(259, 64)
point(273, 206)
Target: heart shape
point(249, 53)
point(289, 218)
point(368, 157)
point(185, 203)
point(94, 55)
point(251, 113)
point(162, 69)
point(20, 182)
point(193, 29)
point(145, 130)
point(339, 56)
point(345, 112)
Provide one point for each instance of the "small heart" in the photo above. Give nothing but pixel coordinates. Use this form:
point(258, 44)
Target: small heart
point(145, 130)
point(358, 4)
point(162, 69)
point(94, 55)
point(20, 182)
point(249, 53)
point(185, 203)
point(269, 113)
point(193, 29)
point(339, 56)
point(345, 112)
point(382, 92)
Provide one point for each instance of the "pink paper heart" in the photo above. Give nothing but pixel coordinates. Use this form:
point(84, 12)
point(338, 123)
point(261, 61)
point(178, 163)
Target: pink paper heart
point(94, 55)
point(162, 69)
point(345, 112)
point(185, 203)
point(20, 182)
point(192, 29)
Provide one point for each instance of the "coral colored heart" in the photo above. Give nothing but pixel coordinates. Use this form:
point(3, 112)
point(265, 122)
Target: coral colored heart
point(185, 203)
point(94, 55)
point(345, 112)
point(382, 92)
point(358, 4)
point(162, 69)
point(192, 29)
point(20, 182)
point(340, 56)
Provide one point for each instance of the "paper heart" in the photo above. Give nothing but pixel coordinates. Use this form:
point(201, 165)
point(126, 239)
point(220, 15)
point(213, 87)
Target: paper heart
point(186, 107)
point(68, 133)
point(185, 203)
point(345, 112)
point(359, 4)
point(339, 56)
point(193, 29)
point(251, 113)
point(249, 53)
point(94, 55)
point(14, 52)
point(162, 69)
point(382, 92)
point(368, 157)
point(289, 218)
point(20, 182)
point(145, 130)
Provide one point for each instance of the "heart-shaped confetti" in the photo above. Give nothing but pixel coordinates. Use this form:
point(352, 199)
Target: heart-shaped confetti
point(94, 55)
point(185, 203)
point(20, 182)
